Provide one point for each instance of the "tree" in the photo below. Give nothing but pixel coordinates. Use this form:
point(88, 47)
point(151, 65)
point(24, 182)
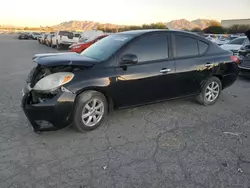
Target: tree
point(99, 27)
point(238, 29)
point(214, 30)
point(158, 25)
point(214, 23)
point(185, 29)
point(196, 29)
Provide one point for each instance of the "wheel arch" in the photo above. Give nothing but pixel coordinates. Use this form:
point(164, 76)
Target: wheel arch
point(102, 91)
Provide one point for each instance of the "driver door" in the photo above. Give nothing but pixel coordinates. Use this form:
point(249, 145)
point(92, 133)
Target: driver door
point(152, 78)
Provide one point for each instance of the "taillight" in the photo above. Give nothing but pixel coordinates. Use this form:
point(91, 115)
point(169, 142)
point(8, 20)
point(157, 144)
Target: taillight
point(235, 59)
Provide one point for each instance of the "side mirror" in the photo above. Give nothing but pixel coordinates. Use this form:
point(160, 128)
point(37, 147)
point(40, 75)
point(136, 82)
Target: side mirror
point(128, 59)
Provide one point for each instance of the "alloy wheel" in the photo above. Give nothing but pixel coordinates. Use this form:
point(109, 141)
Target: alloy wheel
point(212, 91)
point(93, 112)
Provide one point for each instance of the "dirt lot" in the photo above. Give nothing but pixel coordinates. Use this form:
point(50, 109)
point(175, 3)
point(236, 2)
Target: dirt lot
point(171, 144)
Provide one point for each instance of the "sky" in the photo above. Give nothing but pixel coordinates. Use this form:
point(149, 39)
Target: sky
point(127, 12)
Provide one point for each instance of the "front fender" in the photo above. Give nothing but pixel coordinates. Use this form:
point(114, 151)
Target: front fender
point(96, 84)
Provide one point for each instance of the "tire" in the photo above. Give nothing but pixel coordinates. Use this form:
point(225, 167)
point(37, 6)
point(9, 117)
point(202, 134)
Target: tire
point(58, 46)
point(84, 99)
point(202, 99)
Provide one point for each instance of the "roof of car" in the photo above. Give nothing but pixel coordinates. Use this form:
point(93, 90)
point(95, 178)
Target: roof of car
point(144, 31)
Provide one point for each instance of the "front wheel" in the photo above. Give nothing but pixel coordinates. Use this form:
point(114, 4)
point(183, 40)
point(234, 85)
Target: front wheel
point(210, 91)
point(58, 46)
point(91, 109)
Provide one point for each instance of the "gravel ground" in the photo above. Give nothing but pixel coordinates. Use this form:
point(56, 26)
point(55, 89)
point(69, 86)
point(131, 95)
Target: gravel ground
point(172, 144)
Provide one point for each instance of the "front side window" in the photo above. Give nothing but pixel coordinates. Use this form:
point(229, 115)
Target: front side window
point(238, 41)
point(186, 46)
point(150, 48)
point(106, 47)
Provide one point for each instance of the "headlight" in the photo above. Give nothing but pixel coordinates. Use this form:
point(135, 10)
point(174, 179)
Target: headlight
point(53, 81)
point(77, 46)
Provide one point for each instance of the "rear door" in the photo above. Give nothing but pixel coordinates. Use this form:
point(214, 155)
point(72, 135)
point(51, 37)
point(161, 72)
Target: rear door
point(152, 78)
point(191, 65)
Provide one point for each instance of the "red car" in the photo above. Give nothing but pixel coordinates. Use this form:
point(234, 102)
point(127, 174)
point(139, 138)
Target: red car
point(80, 46)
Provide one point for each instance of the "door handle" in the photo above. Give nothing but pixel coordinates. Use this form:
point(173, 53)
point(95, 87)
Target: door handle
point(165, 70)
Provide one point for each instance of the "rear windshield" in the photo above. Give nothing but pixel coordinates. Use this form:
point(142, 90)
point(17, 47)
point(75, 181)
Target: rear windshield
point(77, 35)
point(66, 33)
point(232, 38)
point(106, 47)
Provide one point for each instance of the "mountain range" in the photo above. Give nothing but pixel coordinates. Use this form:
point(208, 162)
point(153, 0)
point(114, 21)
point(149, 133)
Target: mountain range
point(88, 25)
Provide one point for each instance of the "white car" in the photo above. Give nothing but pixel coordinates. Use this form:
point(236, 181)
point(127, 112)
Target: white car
point(64, 38)
point(224, 40)
point(236, 44)
point(211, 37)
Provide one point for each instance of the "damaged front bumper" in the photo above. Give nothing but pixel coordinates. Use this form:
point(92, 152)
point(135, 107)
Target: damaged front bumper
point(50, 114)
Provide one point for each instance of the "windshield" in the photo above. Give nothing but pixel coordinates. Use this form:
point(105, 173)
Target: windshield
point(106, 47)
point(238, 41)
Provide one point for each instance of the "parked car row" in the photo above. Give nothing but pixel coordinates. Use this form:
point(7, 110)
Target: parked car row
point(27, 36)
point(73, 41)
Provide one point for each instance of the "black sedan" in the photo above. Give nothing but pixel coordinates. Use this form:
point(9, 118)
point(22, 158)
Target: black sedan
point(244, 57)
point(123, 70)
point(23, 36)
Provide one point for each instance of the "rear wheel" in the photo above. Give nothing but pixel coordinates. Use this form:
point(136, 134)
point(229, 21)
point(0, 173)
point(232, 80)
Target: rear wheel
point(91, 109)
point(58, 46)
point(210, 91)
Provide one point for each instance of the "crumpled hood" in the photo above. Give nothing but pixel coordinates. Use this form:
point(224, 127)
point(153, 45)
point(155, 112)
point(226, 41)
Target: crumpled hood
point(68, 58)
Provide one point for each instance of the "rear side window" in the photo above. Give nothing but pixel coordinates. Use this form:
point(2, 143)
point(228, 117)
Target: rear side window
point(185, 46)
point(149, 48)
point(202, 47)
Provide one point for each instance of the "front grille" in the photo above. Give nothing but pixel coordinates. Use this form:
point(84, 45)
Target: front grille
point(37, 97)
